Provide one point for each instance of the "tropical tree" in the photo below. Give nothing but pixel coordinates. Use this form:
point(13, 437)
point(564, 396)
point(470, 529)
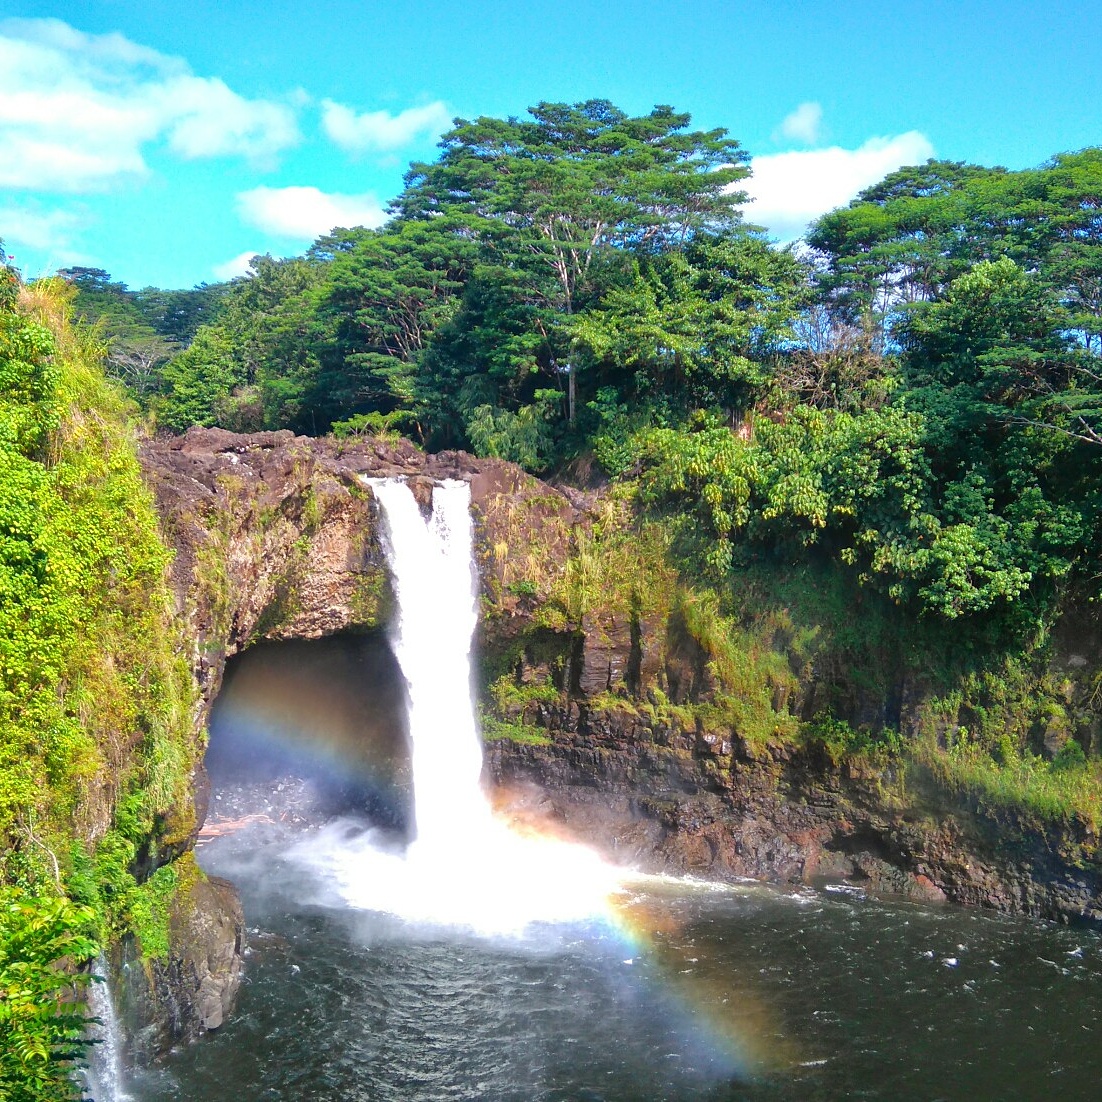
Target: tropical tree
point(553, 197)
point(257, 365)
point(699, 323)
point(898, 242)
point(906, 239)
point(387, 293)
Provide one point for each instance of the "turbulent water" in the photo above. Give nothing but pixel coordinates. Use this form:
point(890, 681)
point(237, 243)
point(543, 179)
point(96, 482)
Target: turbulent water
point(476, 964)
point(741, 992)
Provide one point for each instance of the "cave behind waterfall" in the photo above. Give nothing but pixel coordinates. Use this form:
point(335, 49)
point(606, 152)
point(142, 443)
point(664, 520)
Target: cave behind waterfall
point(312, 727)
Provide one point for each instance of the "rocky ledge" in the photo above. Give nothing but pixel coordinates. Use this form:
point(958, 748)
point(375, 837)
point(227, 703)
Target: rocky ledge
point(667, 801)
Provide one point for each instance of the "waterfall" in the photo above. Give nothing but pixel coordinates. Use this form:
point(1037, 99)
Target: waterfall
point(431, 562)
point(463, 867)
point(103, 1076)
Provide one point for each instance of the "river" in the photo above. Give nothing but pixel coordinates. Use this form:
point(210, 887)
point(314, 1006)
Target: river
point(694, 992)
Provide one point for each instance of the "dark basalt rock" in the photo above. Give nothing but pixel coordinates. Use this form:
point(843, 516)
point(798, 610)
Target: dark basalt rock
point(697, 807)
point(163, 1002)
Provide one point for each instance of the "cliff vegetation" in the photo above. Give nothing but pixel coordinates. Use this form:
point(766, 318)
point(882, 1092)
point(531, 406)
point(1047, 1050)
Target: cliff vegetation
point(96, 702)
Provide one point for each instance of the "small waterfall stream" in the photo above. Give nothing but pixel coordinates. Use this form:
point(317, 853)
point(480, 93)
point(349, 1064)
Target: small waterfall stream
point(103, 1078)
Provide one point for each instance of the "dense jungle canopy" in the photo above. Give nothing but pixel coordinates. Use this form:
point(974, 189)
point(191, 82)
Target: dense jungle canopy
point(915, 389)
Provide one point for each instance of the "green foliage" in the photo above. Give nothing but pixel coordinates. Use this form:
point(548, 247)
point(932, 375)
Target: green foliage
point(523, 437)
point(41, 1028)
point(740, 675)
point(455, 317)
point(953, 498)
point(202, 383)
point(388, 293)
point(256, 365)
point(95, 693)
point(382, 425)
point(575, 181)
point(140, 330)
point(150, 908)
point(840, 740)
point(906, 239)
point(616, 567)
point(511, 698)
point(29, 405)
point(515, 730)
point(857, 483)
point(698, 324)
point(1070, 758)
point(1021, 783)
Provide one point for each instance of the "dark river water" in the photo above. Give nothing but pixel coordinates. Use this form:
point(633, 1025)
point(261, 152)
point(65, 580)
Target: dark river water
point(687, 992)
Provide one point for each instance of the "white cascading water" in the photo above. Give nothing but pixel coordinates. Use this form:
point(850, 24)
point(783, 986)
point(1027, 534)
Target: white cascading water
point(463, 867)
point(103, 1076)
point(431, 564)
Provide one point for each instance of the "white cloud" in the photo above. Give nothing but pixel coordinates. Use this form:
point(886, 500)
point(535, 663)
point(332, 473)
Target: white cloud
point(77, 110)
point(379, 130)
point(803, 125)
point(238, 266)
point(89, 51)
point(214, 121)
point(36, 229)
point(44, 231)
point(791, 189)
point(306, 212)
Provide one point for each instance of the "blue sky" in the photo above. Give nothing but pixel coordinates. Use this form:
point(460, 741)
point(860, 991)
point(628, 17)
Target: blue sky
point(167, 141)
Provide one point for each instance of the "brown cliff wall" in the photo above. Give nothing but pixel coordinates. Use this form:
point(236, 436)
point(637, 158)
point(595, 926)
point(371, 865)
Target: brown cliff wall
point(277, 536)
point(659, 798)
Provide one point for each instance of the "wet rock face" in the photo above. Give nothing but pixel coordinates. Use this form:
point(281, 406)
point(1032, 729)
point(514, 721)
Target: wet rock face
point(276, 536)
point(606, 653)
point(665, 801)
point(193, 990)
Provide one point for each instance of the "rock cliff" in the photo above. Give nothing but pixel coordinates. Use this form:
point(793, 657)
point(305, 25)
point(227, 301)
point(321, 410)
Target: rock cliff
point(669, 801)
point(277, 537)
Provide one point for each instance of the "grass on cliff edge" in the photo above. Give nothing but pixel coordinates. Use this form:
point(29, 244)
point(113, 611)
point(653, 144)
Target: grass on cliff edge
point(775, 633)
point(96, 698)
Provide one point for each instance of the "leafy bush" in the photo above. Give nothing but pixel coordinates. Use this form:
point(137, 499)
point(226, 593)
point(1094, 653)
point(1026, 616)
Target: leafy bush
point(842, 740)
point(41, 1028)
point(1069, 758)
point(523, 437)
point(857, 486)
